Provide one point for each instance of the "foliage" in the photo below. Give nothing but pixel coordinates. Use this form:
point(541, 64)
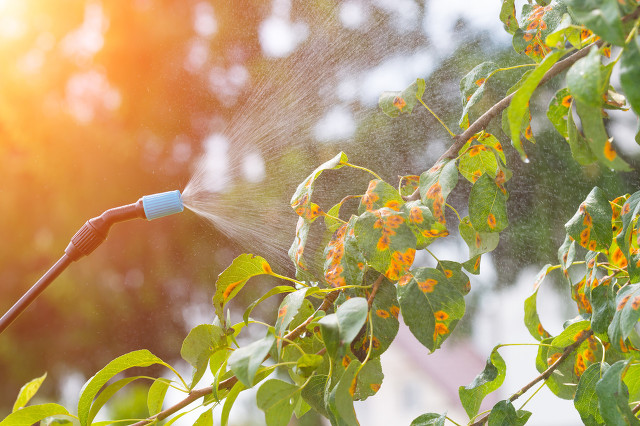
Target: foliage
point(330, 330)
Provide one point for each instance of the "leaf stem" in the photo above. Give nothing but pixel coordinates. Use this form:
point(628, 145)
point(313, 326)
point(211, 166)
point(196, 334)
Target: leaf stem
point(454, 210)
point(453, 135)
point(433, 255)
point(282, 277)
point(534, 393)
point(364, 169)
point(452, 421)
point(333, 217)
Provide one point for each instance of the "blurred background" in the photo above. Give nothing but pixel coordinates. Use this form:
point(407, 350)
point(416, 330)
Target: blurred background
point(103, 102)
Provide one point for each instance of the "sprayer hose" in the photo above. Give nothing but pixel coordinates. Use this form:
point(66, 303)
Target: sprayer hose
point(34, 291)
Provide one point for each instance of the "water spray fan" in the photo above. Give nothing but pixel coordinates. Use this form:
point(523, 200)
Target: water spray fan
point(91, 235)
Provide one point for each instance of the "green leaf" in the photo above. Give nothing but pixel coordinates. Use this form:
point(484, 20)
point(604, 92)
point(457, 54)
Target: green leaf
point(520, 101)
point(409, 184)
point(395, 103)
point(232, 279)
point(277, 399)
point(27, 416)
point(472, 86)
point(504, 414)
point(602, 300)
point(344, 263)
point(558, 112)
point(536, 24)
point(600, 16)
point(613, 396)
point(487, 206)
point(586, 79)
point(272, 292)
point(329, 221)
point(478, 242)
point(141, 358)
point(429, 419)
point(586, 399)
point(431, 306)
point(202, 342)
point(435, 186)
point(380, 194)
point(626, 316)
point(565, 32)
point(296, 251)
point(27, 392)
point(566, 255)
point(580, 149)
point(597, 138)
point(627, 239)
point(313, 394)
point(423, 224)
point(476, 161)
point(308, 363)
point(368, 380)
point(630, 74)
point(508, 16)
point(341, 396)
point(339, 329)
point(246, 360)
point(453, 272)
point(384, 321)
point(490, 379)
point(205, 419)
point(591, 225)
point(555, 384)
point(229, 401)
point(106, 394)
point(386, 240)
point(289, 308)
point(155, 397)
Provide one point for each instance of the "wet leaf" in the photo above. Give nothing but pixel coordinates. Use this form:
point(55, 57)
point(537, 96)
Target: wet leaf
point(232, 279)
point(431, 306)
point(478, 242)
point(591, 225)
point(395, 103)
point(630, 73)
point(272, 292)
point(565, 32)
point(586, 399)
point(531, 319)
point(340, 398)
point(627, 238)
point(296, 251)
point(600, 16)
point(429, 419)
point(386, 241)
point(586, 79)
point(435, 186)
point(277, 399)
point(453, 272)
point(476, 161)
point(339, 329)
point(627, 314)
point(202, 341)
point(344, 263)
point(424, 225)
point(508, 16)
point(520, 102)
point(558, 112)
point(368, 380)
point(409, 184)
point(580, 149)
point(613, 396)
point(314, 393)
point(566, 255)
point(490, 379)
point(537, 23)
point(578, 293)
point(27, 392)
point(246, 360)
point(504, 414)
point(380, 194)
point(602, 297)
point(487, 206)
point(288, 309)
point(308, 363)
point(472, 86)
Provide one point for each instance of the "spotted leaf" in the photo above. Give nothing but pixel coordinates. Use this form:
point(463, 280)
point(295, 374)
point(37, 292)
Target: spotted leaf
point(424, 225)
point(580, 148)
point(453, 272)
point(508, 16)
point(380, 194)
point(567, 375)
point(566, 32)
point(478, 242)
point(600, 16)
point(431, 306)
point(476, 159)
point(409, 184)
point(339, 329)
point(616, 217)
point(586, 79)
point(340, 398)
point(586, 399)
point(537, 23)
point(435, 186)
point(344, 264)
point(578, 294)
point(472, 87)
point(531, 319)
point(591, 225)
point(487, 206)
point(602, 299)
point(566, 255)
point(368, 380)
point(626, 316)
point(386, 241)
point(558, 111)
point(296, 251)
point(490, 379)
point(613, 396)
point(384, 322)
point(287, 311)
point(302, 196)
point(627, 238)
point(232, 279)
point(395, 103)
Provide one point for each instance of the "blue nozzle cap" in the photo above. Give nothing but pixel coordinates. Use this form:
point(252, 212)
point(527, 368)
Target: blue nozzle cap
point(162, 204)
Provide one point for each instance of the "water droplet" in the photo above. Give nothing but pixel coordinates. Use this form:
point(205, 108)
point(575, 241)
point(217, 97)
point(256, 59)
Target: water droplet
point(526, 160)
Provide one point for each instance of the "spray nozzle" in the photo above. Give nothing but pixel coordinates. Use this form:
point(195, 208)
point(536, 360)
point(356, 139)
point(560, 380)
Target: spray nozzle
point(162, 204)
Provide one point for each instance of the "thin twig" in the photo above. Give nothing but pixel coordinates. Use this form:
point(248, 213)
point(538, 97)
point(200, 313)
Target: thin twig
point(231, 381)
point(636, 409)
point(545, 375)
point(374, 289)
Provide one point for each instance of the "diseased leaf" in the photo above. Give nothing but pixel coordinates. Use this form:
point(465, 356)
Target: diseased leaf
point(586, 79)
point(453, 272)
point(490, 379)
point(409, 184)
point(508, 16)
point(504, 414)
point(232, 279)
point(558, 112)
point(435, 186)
point(472, 86)
point(288, 309)
point(531, 319)
point(246, 360)
point(478, 242)
point(368, 380)
point(613, 396)
point(600, 16)
point(627, 314)
point(296, 251)
point(27, 392)
point(395, 103)
point(380, 194)
point(537, 23)
point(431, 306)
point(477, 160)
point(339, 329)
point(341, 396)
point(630, 73)
point(566, 255)
point(602, 297)
point(586, 399)
point(272, 292)
point(344, 263)
point(487, 206)
point(424, 225)
point(520, 102)
point(591, 225)
point(201, 342)
point(580, 149)
point(277, 399)
point(627, 238)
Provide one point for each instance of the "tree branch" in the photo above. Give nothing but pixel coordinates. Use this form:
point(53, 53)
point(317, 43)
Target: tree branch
point(636, 409)
point(545, 375)
point(374, 289)
point(194, 395)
